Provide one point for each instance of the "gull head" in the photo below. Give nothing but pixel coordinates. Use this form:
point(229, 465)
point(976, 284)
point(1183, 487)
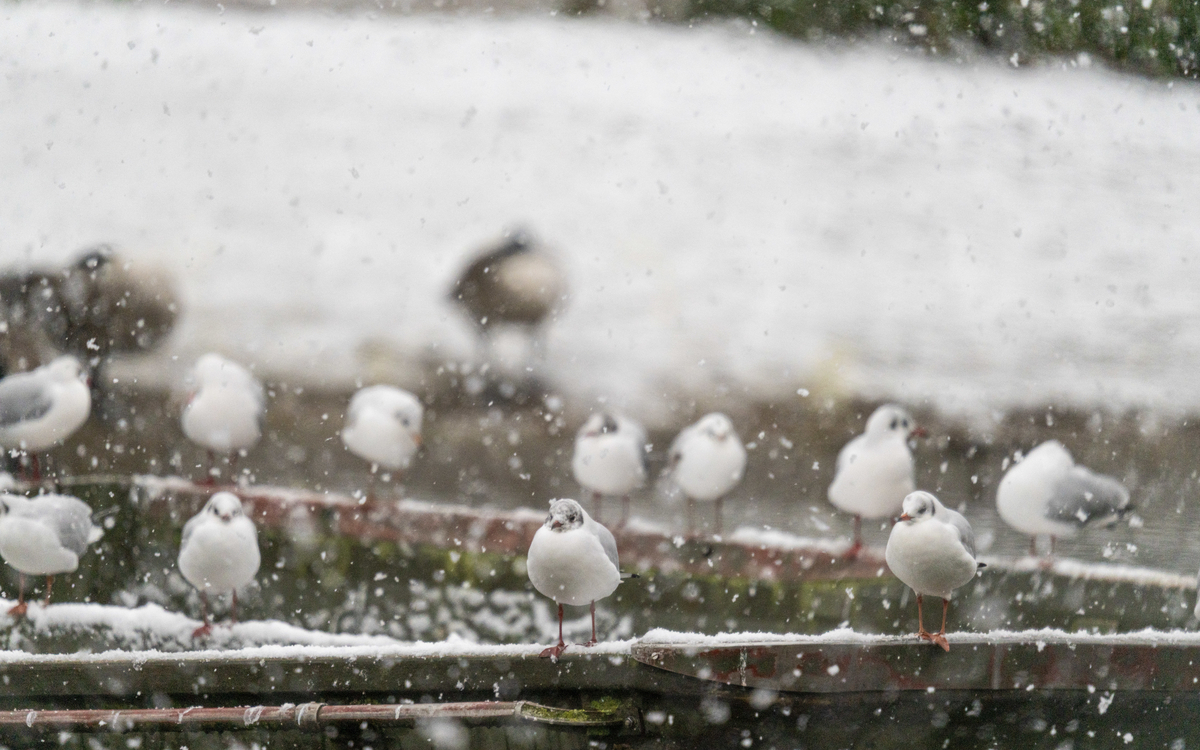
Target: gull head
point(225, 506)
point(564, 515)
point(65, 369)
point(918, 506)
point(409, 414)
point(717, 426)
point(891, 419)
point(599, 424)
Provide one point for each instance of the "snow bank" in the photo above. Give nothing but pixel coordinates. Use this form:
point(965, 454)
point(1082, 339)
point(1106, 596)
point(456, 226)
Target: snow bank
point(768, 538)
point(1078, 569)
point(845, 636)
point(733, 209)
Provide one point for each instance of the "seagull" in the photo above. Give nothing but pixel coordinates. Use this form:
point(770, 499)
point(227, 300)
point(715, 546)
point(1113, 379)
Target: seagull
point(224, 408)
point(44, 536)
point(515, 282)
point(219, 552)
point(1047, 493)
point(383, 426)
point(608, 459)
point(875, 470)
point(932, 551)
point(43, 407)
point(573, 560)
point(705, 462)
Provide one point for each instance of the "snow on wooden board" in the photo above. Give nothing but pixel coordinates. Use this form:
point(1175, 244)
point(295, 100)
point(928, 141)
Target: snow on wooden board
point(839, 661)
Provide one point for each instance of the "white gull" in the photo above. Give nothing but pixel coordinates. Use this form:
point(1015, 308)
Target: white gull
point(875, 470)
point(609, 459)
point(219, 552)
point(706, 461)
point(932, 551)
point(44, 536)
point(573, 560)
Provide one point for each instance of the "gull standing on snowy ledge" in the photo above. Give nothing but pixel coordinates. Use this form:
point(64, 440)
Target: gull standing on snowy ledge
point(219, 552)
point(573, 560)
point(609, 459)
point(1047, 493)
point(875, 470)
point(42, 408)
point(224, 409)
point(706, 461)
point(932, 551)
point(44, 536)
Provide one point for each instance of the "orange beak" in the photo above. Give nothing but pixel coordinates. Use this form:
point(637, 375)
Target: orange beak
point(417, 439)
point(905, 517)
point(919, 432)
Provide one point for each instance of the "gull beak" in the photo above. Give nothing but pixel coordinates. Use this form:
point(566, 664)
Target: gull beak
point(417, 439)
point(918, 432)
point(556, 524)
point(905, 517)
point(226, 517)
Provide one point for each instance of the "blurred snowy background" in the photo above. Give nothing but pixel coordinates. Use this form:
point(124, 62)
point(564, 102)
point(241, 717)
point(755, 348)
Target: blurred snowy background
point(735, 211)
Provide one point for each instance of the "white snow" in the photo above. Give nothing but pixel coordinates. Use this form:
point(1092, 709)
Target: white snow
point(846, 636)
point(1078, 569)
point(732, 208)
point(774, 539)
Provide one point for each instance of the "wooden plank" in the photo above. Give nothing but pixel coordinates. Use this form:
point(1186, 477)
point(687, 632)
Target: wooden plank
point(975, 662)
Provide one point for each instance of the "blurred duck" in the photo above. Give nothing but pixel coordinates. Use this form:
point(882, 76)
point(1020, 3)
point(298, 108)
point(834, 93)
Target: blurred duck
point(932, 551)
point(42, 408)
point(609, 459)
point(224, 409)
point(44, 536)
point(383, 427)
point(706, 461)
point(96, 307)
point(219, 552)
point(514, 283)
point(875, 470)
point(1048, 493)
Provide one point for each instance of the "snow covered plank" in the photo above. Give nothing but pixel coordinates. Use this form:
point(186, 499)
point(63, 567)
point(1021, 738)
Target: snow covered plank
point(444, 671)
point(848, 662)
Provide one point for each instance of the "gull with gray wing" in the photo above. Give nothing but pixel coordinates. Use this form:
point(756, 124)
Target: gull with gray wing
point(1047, 493)
point(44, 536)
point(932, 551)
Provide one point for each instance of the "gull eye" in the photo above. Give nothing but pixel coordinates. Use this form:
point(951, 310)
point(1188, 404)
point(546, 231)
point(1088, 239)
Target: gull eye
point(904, 424)
point(893, 424)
